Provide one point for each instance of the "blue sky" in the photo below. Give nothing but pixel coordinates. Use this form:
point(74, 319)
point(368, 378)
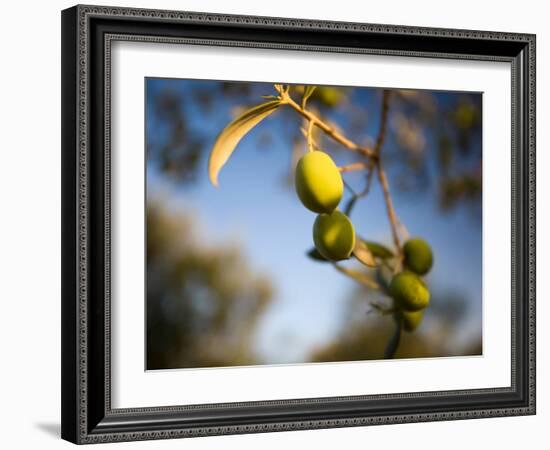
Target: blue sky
point(253, 207)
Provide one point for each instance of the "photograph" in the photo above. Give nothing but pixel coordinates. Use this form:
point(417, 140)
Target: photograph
point(299, 224)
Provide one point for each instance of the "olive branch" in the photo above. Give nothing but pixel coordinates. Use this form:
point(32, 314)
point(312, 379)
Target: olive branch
point(405, 263)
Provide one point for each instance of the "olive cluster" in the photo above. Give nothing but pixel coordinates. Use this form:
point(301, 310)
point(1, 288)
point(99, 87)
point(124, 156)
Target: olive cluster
point(320, 187)
point(408, 289)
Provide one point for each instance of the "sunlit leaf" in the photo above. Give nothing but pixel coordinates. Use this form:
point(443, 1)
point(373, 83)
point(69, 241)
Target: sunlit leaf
point(363, 254)
point(232, 134)
point(358, 275)
point(378, 250)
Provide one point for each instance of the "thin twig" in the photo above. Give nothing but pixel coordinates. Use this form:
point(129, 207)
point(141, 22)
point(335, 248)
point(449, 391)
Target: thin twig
point(354, 166)
point(357, 195)
point(368, 183)
point(383, 121)
point(349, 188)
point(310, 136)
point(330, 131)
point(389, 207)
point(382, 174)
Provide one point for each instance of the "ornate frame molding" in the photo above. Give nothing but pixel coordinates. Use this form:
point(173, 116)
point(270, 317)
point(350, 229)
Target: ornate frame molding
point(85, 422)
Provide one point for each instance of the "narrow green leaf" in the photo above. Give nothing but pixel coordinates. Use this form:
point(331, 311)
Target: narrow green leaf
point(381, 309)
point(379, 250)
point(383, 278)
point(358, 275)
point(363, 254)
point(231, 135)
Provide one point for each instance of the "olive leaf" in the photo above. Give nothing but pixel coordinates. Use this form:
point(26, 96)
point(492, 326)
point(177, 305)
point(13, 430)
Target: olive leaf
point(315, 255)
point(381, 309)
point(363, 254)
point(379, 250)
point(359, 276)
point(231, 135)
point(383, 278)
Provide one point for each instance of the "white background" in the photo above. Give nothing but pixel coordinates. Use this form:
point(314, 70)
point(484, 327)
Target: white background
point(133, 387)
point(30, 190)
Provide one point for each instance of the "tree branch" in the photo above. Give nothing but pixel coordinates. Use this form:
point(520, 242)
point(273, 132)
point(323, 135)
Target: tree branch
point(389, 207)
point(382, 174)
point(383, 122)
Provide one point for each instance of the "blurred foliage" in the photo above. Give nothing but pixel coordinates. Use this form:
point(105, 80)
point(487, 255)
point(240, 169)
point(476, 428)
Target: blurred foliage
point(203, 301)
point(441, 143)
point(179, 154)
point(364, 336)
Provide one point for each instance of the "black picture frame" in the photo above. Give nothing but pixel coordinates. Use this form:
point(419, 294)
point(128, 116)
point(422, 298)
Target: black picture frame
point(87, 33)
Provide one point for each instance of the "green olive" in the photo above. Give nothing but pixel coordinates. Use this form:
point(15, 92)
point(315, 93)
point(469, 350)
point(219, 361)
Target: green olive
point(329, 96)
point(465, 115)
point(334, 236)
point(319, 184)
point(418, 256)
point(409, 291)
point(412, 319)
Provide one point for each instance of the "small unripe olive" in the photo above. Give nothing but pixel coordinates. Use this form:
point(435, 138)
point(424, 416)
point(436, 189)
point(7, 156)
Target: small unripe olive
point(409, 291)
point(411, 319)
point(334, 236)
point(418, 256)
point(329, 96)
point(319, 184)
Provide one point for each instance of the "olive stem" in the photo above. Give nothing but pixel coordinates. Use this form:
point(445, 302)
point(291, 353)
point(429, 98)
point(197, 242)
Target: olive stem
point(382, 174)
point(330, 131)
point(389, 207)
point(310, 136)
point(393, 344)
point(383, 122)
point(349, 188)
point(354, 166)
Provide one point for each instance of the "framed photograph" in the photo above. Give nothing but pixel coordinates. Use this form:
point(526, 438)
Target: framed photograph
point(279, 224)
